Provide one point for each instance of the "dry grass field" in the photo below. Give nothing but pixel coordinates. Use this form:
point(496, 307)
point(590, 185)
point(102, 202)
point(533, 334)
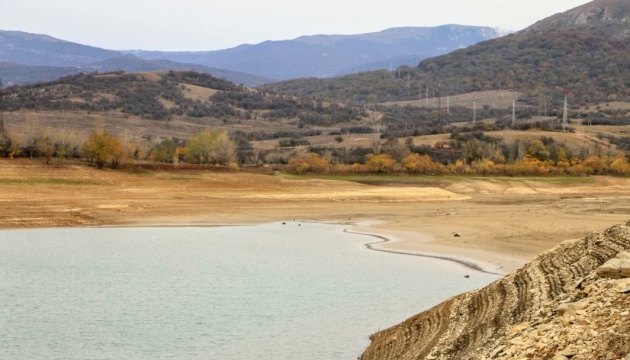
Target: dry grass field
point(495, 99)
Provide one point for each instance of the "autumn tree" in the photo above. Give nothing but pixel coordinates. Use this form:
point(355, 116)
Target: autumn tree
point(309, 162)
point(102, 147)
point(418, 164)
point(211, 146)
point(380, 163)
point(620, 165)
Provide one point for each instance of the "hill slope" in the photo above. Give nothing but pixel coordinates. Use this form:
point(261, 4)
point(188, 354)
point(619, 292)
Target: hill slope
point(606, 18)
point(590, 58)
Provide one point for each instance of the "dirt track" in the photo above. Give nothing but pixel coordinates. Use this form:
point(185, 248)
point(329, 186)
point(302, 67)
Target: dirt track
point(501, 221)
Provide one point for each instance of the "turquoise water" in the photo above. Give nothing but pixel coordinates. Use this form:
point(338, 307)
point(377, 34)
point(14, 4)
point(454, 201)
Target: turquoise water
point(252, 292)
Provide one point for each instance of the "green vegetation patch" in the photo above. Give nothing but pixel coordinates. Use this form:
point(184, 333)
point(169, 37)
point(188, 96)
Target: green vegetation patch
point(430, 180)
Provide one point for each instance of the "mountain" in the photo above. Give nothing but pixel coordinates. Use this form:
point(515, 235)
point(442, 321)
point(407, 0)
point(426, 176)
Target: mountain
point(31, 58)
point(330, 55)
point(42, 50)
point(589, 58)
point(606, 18)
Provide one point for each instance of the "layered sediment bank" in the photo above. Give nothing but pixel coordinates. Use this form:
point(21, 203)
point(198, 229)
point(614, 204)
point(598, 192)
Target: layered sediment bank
point(568, 302)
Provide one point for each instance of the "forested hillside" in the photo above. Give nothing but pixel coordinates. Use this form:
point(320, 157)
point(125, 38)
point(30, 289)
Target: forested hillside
point(584, 52)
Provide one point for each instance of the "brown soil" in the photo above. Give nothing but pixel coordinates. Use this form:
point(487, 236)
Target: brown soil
point(501, 221)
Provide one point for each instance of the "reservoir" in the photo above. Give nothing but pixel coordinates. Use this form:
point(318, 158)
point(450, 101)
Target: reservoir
point(273, 291)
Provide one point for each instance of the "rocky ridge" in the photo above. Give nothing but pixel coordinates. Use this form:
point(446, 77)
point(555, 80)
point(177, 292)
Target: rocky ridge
point(571, 302)
point(606, 18)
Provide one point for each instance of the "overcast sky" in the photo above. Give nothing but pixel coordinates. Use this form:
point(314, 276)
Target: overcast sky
point(212, 24)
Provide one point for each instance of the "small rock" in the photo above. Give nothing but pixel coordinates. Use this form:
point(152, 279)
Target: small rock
point(625, 313)
point(517, 341)
point(568, 352)
point(571, 308)
point(628, 356)
point(559, 357)
point(518, 328)
point(544, 328)
point(625, 290)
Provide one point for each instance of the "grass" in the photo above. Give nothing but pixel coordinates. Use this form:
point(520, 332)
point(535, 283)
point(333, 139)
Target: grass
point(47, 181)
point(406, 179)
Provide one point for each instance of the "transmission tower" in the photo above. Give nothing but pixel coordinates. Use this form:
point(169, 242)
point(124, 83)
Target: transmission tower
point(513, 113)
point(565, 116)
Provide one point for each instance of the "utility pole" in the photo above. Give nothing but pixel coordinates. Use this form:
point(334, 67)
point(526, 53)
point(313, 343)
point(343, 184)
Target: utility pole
point(448, 105)
point(474, 111)
point(513, 113)
point(565, 116)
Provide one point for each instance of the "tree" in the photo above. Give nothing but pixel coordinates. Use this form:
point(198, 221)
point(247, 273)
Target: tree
point(46, 145)
point(417, 164)
point(309, 162)
point(211, 146)
point(164, 151)
point(102, 147)
point(380, 163)
point(620, 164)
point(9, 145)
point(537, 150)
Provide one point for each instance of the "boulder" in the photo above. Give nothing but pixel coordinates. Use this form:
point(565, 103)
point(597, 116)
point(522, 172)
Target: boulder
point(616, 268)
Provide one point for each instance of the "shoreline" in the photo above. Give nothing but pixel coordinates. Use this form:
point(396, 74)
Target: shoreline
point(496, 223)
point(385, 239)
point(474, 264)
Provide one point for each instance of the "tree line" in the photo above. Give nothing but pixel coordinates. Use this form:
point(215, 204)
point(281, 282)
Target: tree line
point(465, 152)
point(102, 149)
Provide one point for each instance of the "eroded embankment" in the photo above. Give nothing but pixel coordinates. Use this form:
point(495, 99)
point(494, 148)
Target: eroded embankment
point(488, 323)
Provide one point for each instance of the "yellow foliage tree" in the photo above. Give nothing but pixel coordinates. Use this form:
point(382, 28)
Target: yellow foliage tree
point(309, 162)
point(620, 164)
point(418, 164)
point(102, 147)
point(380, 163)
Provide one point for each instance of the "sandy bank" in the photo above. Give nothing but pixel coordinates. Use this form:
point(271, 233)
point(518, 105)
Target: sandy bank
point(501, 223)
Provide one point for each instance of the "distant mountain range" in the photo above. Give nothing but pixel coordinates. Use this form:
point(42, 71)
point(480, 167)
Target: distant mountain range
point(31, 58)
point(333, 55)
point(584, 51)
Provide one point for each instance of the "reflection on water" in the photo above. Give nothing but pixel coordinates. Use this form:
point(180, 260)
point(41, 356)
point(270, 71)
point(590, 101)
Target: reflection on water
point(267, 292)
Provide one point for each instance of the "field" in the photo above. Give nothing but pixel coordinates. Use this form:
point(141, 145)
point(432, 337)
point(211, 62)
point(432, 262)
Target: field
point(501, 221)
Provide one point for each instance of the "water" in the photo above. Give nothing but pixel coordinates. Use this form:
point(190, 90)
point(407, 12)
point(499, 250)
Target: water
point(254, 292)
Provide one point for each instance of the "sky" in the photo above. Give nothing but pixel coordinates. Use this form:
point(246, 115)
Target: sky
point(212, 25)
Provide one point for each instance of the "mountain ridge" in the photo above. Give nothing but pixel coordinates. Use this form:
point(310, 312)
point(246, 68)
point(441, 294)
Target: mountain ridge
point(334, 54)
point(601, 17)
